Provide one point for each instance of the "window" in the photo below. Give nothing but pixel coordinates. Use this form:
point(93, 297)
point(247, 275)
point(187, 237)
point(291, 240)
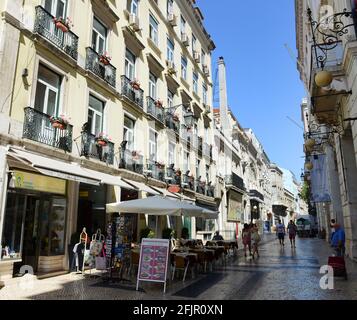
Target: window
point(47, 91)
point(183, 25)
point(170, 50)
point(152, 86)
point(204, 94)
point(171, 157)
point(194, 40)
point(186, 161)
point(95, 115)
point(208, 178)
point(130, 61)
point(99, 36)
point(129, 127)
point(57, 8)
point(154, 30)
point(198, 163)
point(203, 58)
point(170, 6)
point(170, 99)
point(184, 68)
point(195, 83)
point(152, 145)
point(134, 7)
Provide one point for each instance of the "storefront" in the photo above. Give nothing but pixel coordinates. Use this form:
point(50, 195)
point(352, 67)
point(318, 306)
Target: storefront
point(34, 228)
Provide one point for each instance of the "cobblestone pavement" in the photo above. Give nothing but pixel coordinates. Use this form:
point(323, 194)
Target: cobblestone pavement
point(279, 274)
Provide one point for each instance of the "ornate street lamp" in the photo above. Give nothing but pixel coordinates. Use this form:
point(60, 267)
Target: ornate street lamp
point(189, 118)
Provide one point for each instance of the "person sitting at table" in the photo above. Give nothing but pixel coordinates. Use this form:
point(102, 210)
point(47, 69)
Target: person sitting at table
point(217, 236)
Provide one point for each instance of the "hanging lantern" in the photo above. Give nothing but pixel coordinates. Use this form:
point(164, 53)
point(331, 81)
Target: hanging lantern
point(310, 143)
point(309, 166)
point(323, 79)
point(189, 118)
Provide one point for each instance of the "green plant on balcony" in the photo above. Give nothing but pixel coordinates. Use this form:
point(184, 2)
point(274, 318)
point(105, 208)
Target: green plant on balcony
point(102, 139)
point(63, 24)
point(105, 58)
point(59, 122)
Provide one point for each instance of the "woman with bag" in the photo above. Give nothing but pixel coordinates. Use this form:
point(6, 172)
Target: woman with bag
point(246, 237)
point(255, 240)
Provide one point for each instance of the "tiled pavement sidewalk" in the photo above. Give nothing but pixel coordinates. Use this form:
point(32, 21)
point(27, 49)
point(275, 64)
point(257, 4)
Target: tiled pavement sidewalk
point(281, 274)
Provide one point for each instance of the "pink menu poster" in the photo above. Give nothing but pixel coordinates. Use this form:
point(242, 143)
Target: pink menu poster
point(153, 263)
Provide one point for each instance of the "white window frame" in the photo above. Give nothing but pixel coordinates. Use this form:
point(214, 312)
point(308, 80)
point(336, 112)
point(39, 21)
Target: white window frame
point(170, 50)
point(195, 82)
point(130, 66)
point(182, 25)
point(170, 7)
point(48, 88)
point(132, 131)
point(186, 161)
point(153, 145)
point(170, 99)
point(184, 68)
point(96, 113)
point(54, 7)
point(194, 44)
point(171, 154)
point(204, 94)
point(100, 36)
point(134, 7)
point(154, 29)
point(152, 86)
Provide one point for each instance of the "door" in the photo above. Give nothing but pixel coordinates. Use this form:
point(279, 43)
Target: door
point(99, 37)
point(58, 8)
point(31, 238)
point(130, 60)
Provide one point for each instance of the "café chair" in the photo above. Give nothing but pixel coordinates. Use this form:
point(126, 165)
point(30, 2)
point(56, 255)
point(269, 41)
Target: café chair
point(134, 261)
point(180, 263)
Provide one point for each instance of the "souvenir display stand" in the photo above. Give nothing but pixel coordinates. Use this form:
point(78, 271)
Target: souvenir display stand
point(118, 246)
point(79, 252)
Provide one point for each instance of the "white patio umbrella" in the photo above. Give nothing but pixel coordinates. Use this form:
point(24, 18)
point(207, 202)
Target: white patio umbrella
point(156, 206)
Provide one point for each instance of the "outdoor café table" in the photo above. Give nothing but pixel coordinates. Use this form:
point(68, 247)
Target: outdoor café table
point(204, 256)
point(192, 258)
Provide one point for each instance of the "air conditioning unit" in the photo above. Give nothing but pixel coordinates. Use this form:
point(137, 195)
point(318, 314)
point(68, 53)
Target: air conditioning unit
point(172, 19)
point(171, 67)
point(196, 56)
point(206, 70)
point(134, 22)
point(184, 39)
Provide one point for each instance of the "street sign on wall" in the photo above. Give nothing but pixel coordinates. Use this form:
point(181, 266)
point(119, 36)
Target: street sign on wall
point(154, 258)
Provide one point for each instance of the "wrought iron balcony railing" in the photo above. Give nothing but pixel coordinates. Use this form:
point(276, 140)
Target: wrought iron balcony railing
point(107, 72)
point(131, 160)
point(173, 176)
point(155, 109)
point(155, 170)
point(188, 182)
point(90, 148)
point(37, 127)
point(201, 187)
point(235, 180)
point(134, 94)
point(172, 123)
point(210, 190)
point(46, 27)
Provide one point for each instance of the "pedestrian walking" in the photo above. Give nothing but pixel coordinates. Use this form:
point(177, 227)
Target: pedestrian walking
point(247, 240)
point(338, 240)
point(255, 240)
point(292, 230)
point(280, 232)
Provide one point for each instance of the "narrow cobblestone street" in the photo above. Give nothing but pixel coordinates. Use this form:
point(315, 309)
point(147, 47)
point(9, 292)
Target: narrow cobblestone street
point(279, 274)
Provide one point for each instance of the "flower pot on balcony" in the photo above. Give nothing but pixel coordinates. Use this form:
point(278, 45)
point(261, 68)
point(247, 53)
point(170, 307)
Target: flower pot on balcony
point(158, 104)
point(135, 85)
point(60, 25)
point(104, 60)
point(58, 125)
point(102, 143)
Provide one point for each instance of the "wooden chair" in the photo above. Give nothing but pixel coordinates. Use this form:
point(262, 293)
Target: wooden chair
point(180, 263)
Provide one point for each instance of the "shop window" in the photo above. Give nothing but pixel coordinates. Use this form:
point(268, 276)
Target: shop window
point(207, 225)
point(12, 228)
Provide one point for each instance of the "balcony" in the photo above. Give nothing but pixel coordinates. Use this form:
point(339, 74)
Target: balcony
point(134, 94)
point(173, 176)
point(37, 127)
point(207, 150)
point(45, 26)
point(235, 181)
point(201, 187)
point(106, 72)
point(155, 170)
point(188, 182)
point(155, 110)
point(187, 135)
point(91, 149)
point(256, 194)
point(172, 122)
point(324, 102)
point(132, 161)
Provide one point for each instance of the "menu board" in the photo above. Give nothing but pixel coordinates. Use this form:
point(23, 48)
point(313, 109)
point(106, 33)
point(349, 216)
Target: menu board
point(153, 263)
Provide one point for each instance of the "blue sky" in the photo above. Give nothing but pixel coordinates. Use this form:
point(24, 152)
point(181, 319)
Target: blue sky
point(263, 83)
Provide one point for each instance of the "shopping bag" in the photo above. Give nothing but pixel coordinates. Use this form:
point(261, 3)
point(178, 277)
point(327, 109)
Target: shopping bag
point(96, 244)
point(339, 266)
